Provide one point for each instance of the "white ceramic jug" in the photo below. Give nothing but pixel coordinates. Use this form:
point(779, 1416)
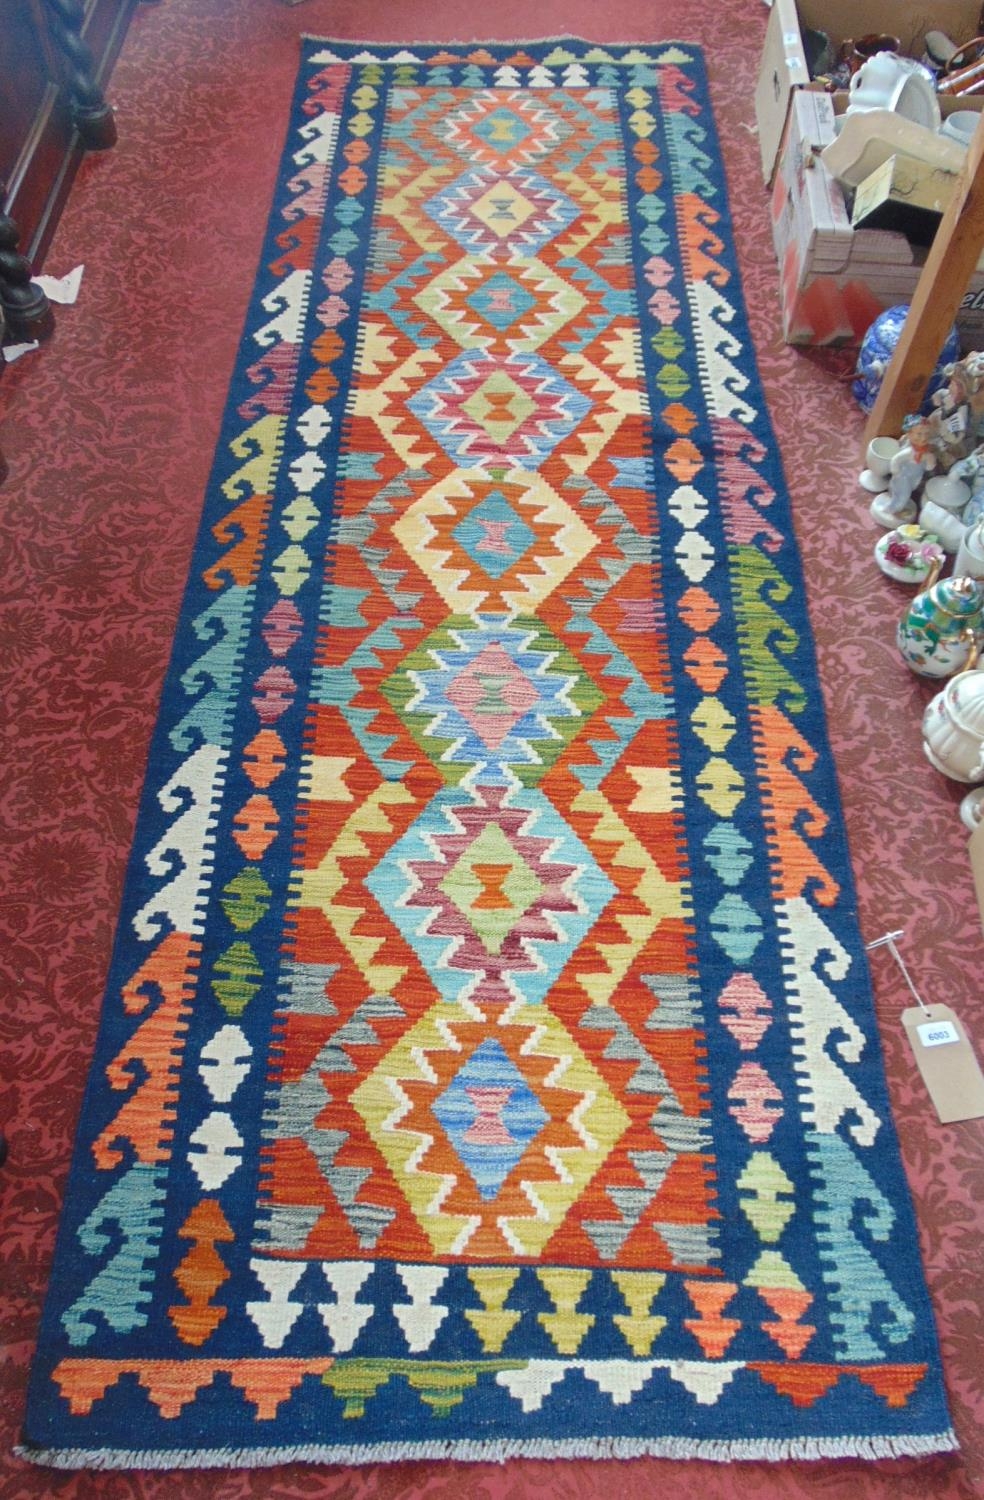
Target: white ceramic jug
point(888, 81)
point(953, 728)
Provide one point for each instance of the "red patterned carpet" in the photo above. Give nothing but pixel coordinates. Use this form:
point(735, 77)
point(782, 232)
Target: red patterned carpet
point(109, 434)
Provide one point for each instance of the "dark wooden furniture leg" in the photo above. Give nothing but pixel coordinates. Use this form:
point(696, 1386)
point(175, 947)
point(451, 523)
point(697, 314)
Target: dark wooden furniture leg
point(92, 116)
point(26, 310)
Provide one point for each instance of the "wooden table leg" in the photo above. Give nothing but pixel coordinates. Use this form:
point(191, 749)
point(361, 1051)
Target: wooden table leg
point(24, 308)
point(945, 278)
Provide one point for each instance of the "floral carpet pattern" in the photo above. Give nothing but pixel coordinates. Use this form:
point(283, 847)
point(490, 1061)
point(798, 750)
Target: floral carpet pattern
point(110, 430)
point(488, 1063)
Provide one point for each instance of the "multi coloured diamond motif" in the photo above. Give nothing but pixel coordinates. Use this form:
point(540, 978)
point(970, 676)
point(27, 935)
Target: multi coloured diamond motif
point(482, 304)
point(446, 533)
point(504, 215)
point(469, 859)
point(488, 412)
point(489, 1197)
point(503, 129)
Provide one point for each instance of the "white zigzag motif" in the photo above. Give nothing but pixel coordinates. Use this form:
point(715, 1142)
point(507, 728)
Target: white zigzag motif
point(829, 1094)
point(722, 381)
point(186, 850)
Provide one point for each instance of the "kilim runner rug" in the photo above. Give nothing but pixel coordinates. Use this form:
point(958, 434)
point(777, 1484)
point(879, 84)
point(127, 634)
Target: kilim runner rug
point(489, 1064)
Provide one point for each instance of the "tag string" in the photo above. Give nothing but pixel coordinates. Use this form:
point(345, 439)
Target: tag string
point(889, 941)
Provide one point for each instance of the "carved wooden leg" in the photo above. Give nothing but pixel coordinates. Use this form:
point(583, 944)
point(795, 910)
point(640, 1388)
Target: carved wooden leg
point(92, 116)
point(3, 461)
point(26, 310)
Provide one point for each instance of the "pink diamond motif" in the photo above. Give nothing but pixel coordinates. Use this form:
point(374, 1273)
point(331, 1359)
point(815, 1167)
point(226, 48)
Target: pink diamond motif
point(492, 695)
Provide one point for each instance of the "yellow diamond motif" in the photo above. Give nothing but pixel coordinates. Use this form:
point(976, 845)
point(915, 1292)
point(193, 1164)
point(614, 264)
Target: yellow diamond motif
point(561, 543)
point(395, 1103)
point(503, 209)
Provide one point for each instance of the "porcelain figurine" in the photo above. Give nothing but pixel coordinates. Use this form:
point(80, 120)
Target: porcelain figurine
point(953, 728)
point(942, 630)
point(909, 467)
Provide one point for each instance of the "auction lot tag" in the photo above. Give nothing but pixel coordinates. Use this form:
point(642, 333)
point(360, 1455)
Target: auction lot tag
point(946, 1061)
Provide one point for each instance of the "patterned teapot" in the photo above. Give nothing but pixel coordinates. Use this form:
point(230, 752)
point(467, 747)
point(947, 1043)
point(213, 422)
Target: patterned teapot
point(942, 630)
point(953, 728)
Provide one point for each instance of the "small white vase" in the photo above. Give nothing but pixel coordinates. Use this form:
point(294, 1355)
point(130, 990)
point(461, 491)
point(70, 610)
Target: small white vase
point(970, 557)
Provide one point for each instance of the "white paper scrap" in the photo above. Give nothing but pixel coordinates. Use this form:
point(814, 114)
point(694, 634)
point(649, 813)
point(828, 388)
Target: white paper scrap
point(14, 351)
point(61, 289)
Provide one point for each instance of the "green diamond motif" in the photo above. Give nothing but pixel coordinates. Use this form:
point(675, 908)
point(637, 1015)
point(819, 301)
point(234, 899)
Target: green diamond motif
point(492, 886)
point(503, 697)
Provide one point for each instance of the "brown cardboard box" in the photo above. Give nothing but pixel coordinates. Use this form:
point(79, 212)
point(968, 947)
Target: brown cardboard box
point(783, 68)
point(834, 279)
point(906, 195)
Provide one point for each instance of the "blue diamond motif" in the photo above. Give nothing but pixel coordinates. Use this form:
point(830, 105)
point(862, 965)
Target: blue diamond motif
point(493, 536)
point(502, 130)
point(487, 411)
point(490, 1115)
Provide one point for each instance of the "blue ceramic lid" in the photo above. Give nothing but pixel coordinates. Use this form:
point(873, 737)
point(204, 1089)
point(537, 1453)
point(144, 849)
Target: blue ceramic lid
point(960, 596)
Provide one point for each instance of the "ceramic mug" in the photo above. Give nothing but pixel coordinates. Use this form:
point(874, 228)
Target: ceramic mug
point(960, 126)
point(942, 523)
point(879, 455)
point(868, 46)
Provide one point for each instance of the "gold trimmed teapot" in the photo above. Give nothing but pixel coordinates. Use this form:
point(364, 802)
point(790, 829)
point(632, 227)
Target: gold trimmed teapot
point(943, 629)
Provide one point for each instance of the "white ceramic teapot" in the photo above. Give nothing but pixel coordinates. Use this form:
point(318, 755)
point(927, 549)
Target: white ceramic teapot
point(953, 728)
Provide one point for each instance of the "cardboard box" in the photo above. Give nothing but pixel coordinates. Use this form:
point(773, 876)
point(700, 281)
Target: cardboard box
point(906, 195)
point(835, 279)
point(783, 69)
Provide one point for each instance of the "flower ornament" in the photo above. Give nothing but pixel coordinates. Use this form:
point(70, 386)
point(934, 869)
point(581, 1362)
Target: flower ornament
point(908, 553)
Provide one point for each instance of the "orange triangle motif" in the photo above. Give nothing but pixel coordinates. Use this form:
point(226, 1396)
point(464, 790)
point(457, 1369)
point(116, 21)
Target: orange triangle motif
point(803, 1384)
point(789, 1305)
point(711, 1331)
point(171, 1385)
point(894, 1383)
point(268, 1382)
